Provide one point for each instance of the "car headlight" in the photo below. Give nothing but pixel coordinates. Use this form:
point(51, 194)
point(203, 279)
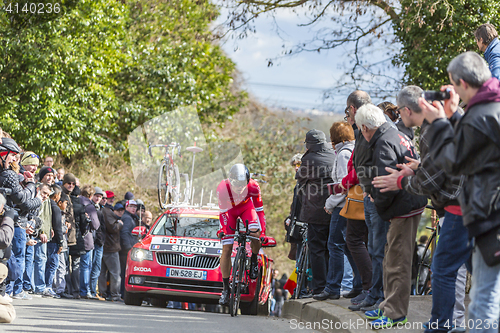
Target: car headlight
point(138, 254)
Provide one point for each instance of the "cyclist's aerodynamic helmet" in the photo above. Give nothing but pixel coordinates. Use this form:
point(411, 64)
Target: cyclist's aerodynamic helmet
point(239, 176)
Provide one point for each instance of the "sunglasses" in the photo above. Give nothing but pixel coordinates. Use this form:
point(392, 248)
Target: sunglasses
point(34, 155)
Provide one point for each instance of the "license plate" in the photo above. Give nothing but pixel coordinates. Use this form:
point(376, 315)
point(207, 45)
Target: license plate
point(186, 274)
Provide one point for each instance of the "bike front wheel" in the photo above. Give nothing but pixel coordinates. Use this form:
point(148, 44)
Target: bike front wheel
point(302, 265)
point(168, 184)
point(237, 275)
point(424, 269)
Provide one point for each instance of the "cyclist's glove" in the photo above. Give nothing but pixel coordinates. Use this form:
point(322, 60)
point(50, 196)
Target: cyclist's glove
point(220, 234)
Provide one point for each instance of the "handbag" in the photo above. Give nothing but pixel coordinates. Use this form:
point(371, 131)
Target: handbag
point(354, 208)
point(489, 245)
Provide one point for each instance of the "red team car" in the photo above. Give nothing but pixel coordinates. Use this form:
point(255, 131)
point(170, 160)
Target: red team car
point(178, 260)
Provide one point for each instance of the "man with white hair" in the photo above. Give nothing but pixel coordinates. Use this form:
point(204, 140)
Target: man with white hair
point(390, 148)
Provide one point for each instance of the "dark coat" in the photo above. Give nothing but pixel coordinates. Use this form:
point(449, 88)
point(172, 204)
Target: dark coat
point(390, 147)
point(127, 240)
point(472, 149)
point(94, 224)
point(113, 226)
point(21, 198)
point(314, 174)
point(56, 224)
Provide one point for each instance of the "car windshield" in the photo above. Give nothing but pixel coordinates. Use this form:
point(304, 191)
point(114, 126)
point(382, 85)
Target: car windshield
point(187, 226)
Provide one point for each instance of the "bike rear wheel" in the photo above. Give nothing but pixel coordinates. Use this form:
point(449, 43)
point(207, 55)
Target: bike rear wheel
point(424, 269)
point(302, 265)
point(237, 275)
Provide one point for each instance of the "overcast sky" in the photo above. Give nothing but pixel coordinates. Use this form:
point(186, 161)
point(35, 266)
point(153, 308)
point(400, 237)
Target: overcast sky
point(297, 81)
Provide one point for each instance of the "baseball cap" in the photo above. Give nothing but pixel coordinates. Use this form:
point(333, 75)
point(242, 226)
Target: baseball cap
point(118, 206)
point(110, 194)
point(98, 190)
point(130, 202)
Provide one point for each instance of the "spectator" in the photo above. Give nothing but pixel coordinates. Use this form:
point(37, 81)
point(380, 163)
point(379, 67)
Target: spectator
point(129, 196)
point(296, 238)
point(147, 219)
point(127, 240)
point(63, 269)
point(40, 248)
point(313, 174)
point(55, 243)
point(402, 209)
point(17, 260)
point(453, 249)
point(471, 148)
point(110, 199)
point(7, 311)
point(342, 140)
point(60, 176)
point(119, 209)
point(99, 236)
point(88, 240)
point(48, 162)
point(104, 199)
point(391, 111)
point(357, 231)
point(47, 175)
point(111, 258)
point(487, 42)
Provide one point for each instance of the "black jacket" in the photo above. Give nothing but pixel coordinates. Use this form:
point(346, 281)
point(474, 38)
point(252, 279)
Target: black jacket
point(21, 198)
point(431, 180)
point(56, 224)
point(472, 149)
point(314, 173)
point(100, 233)
point(113, 226)
point(81, 225)
point(390, 148)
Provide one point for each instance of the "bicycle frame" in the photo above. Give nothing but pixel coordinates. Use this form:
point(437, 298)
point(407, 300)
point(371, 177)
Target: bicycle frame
point(302, 263)
point(167, 157)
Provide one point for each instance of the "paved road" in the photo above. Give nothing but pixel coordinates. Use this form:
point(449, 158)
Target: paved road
point(88, 316)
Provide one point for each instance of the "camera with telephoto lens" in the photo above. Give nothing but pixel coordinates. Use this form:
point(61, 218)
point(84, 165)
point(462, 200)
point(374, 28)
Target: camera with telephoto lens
point(431, 95)
point(5, 191)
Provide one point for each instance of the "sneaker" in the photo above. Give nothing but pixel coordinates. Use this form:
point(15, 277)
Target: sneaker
point(360, 298)
point(7, 298)
point(37, 294)
point(22, 295)
point(88, 296)
point(49, 293)
point(254, 270)
point(373, 307)
point(76, 296)
point(324, 295)
point(358, 307)
point(375, 314)
point(99, 298)
point(224, 297)
point(384, 322)
point(353, 293)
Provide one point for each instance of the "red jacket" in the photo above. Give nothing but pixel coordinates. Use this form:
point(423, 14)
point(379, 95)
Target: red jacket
point(352, 178)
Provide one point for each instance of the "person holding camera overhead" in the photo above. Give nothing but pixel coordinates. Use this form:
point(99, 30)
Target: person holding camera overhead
point(24, 201)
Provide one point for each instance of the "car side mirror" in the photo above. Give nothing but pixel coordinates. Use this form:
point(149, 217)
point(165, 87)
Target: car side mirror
point(268, 241)
point(139, 231)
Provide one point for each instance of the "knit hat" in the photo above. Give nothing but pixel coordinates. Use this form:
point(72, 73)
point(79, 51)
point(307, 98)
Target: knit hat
point(129, 196)
point(69, 178)
point(45, 170)
point(98, 190)
point(30, 158)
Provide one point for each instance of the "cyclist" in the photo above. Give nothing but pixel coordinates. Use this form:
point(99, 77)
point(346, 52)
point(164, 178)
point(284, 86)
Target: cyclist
point(239, 196)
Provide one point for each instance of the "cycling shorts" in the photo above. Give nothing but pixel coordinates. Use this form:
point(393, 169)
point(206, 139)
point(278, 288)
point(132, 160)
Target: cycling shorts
point(228, 219)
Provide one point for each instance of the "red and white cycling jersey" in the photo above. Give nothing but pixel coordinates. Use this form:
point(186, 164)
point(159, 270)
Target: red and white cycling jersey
point(248, 205)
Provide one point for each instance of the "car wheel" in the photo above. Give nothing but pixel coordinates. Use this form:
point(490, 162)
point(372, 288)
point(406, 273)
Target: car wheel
point(159, 302)
point(131, 299)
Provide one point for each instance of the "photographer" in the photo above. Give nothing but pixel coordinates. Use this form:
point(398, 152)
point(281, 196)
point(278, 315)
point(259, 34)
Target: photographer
point(470, 146)
point(24, 200)
point(7, 312)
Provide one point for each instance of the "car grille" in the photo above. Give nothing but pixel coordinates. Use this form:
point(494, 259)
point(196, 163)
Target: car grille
point(183, 284)
point(178, 260)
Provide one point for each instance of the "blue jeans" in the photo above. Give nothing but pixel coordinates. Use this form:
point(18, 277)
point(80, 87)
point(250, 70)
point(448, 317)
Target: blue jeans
point(336, 249)
point(484, 295)
point(377, 238)
point(348, 276)
point(85, 267)
point(96, 268)
point(52, 264)
point(28, 271)
point(39, 263)
point(16, 262)
point(452, 251)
